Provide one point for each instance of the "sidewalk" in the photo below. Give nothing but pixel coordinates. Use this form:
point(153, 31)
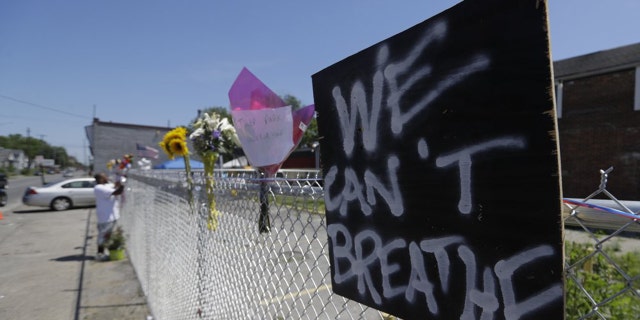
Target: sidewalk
point(47, 269)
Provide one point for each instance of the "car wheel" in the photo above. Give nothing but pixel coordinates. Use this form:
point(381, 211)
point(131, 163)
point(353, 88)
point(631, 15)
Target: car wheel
point(3, 200)
point(59, 204)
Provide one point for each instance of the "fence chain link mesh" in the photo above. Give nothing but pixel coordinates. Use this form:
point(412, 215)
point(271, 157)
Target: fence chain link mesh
point(235, 272)
point(239, 272)
point(602, 266)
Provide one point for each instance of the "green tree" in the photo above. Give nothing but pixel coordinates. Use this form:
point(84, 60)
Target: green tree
point(222, 111)
point(292, 101)
point(33, 147)
point(29, 145)
point(311, 135)
point(59, 154)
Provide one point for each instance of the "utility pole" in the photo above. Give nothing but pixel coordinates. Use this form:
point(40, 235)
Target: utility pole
point(84, 152)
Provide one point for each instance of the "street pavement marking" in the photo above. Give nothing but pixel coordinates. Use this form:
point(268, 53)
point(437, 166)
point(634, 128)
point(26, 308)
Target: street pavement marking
point(294, 295)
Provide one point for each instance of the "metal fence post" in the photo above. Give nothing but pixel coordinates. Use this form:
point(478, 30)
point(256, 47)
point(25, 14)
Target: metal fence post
point(264, 222)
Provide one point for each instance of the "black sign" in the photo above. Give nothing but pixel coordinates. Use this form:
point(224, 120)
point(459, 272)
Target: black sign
point(440, 164)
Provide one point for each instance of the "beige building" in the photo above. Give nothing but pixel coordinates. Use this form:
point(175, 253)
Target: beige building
point(110, 140)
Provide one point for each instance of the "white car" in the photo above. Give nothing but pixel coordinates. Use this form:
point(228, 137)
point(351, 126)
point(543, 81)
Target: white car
point(62, 195)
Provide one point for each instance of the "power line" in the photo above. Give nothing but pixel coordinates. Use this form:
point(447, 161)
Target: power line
point(43, 107)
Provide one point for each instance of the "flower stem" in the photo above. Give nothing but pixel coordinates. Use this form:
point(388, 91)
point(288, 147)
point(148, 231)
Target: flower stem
point(209, 159)
point(187, 166)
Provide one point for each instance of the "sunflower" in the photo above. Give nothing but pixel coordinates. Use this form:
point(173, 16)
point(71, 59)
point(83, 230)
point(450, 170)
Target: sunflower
point(177, 133)
point(178, 147)
point(174, 142)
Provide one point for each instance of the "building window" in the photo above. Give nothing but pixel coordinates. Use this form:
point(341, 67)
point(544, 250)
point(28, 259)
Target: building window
point(559, 99)
point(636, 95)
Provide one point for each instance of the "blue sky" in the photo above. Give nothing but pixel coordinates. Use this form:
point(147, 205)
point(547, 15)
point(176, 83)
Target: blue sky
point(156, 62)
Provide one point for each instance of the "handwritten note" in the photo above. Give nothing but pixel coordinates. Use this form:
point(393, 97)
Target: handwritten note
point(265, 134)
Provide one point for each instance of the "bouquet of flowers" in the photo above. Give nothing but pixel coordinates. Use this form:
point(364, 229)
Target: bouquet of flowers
point(174, 144)
point(120, 167)
point(211, 136)
point(267, 144)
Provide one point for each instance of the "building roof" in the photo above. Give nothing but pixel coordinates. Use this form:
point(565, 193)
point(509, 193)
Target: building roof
point(10, 154)
point(598, 62)
point(127, 125)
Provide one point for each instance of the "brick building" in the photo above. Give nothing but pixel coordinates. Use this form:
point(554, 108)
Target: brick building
point(598, 103)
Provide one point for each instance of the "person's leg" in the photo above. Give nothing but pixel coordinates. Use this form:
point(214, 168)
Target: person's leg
point(101, 237)
point(104, 231)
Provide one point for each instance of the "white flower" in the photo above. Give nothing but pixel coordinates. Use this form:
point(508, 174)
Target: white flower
point(198, 124)
point(198, 132)
point(234, 138)
point(211, 121)
point(224, 125)
point(213, 132)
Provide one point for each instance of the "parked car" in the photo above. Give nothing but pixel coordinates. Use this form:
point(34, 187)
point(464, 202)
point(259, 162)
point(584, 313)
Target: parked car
point(67, 174)
point(3, 195)
point(62, 195)
point(3, 180)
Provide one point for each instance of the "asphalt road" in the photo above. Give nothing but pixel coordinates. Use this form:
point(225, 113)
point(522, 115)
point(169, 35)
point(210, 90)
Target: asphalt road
point(47, 266)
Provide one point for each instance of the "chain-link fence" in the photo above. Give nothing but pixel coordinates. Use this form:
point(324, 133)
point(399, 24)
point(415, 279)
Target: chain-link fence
point(235, 272)
point(269, 258)
point(602, 245)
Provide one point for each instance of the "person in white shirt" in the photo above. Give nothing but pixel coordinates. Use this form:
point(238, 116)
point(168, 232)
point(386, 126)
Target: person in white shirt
point(107, 209)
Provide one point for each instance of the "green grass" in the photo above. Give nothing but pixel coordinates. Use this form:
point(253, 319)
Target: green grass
point(306, 204)
point(599, 277)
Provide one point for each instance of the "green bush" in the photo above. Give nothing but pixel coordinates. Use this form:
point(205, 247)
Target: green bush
point(597, 274)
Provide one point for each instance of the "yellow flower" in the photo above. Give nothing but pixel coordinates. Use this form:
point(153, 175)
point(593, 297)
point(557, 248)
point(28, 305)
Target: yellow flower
point(175, 142)
point(164, 148)
point(177, 133)
point(178, 147)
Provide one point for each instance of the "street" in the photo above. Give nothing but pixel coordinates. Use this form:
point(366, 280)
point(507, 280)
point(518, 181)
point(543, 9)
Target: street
point(41, 253)
point(47, 269)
